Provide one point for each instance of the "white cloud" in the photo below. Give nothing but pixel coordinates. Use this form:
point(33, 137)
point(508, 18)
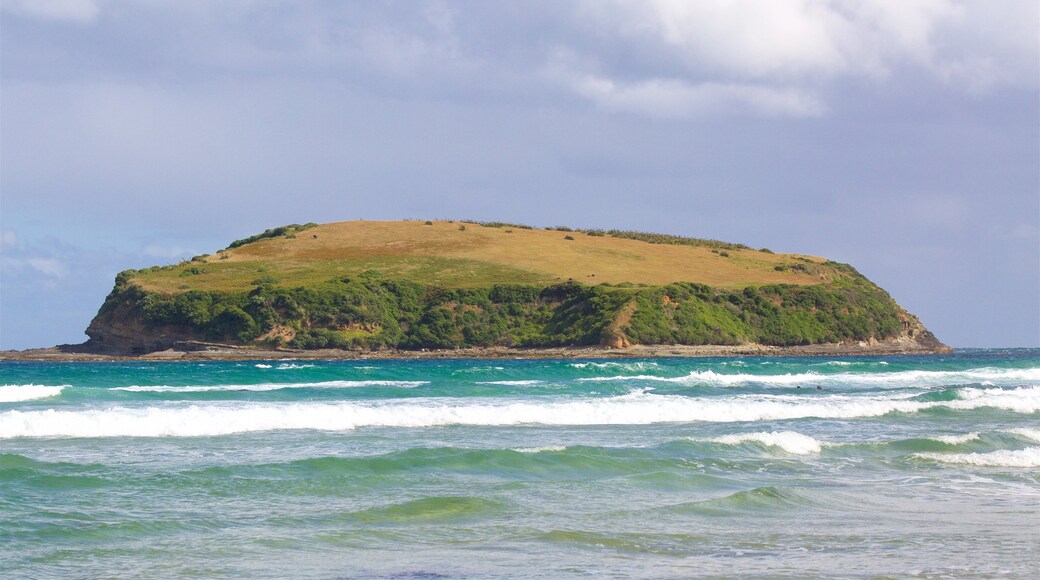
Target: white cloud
point(779, 57)
point(782, 38)
point(47, 266)
point(673, 98)
point(78, 11)
point(8, 239)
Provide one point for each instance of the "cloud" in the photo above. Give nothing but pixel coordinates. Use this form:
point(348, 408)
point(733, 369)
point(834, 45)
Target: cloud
point(47, 266)
point(674, 98)
point(8, 239)
point(782, 57)
point(76, 11)
point(782, 39)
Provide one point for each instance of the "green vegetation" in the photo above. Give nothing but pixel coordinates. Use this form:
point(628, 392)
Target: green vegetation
point(668, 239)
point(369, 311)
point(416, 284)
point(650, 238)
point(288, 231)
point(499, 225)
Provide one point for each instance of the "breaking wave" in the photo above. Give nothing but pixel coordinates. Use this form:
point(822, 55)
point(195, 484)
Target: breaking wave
point(1028, 457)
point(955, 439)
point(544, 449)
point(790, 441)
point(270, 386)
point(1026, 432)
point(637, 408)
point(893, 379)
point(511, 383)
point(19, 393)
point(626, 366)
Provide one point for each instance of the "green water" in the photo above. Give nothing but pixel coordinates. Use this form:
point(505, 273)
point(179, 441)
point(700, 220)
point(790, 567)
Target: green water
point(893, 466)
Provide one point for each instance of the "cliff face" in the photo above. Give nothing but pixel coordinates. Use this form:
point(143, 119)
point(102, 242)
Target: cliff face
point(120, 328)
point(366, 314)
point(372, 286)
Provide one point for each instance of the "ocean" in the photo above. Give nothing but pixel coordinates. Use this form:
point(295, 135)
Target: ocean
point(462, 468)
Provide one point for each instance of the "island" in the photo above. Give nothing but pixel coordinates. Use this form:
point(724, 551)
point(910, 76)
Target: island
point(438, 288)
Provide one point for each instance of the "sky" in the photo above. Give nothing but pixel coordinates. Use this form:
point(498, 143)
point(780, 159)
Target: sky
point(902, 137)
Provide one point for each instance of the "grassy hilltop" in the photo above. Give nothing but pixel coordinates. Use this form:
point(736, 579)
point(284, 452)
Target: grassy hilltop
point(443, 284)
point(469, 255)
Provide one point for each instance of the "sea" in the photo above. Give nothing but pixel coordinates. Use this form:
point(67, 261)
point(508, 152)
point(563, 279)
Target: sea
point(890, 466)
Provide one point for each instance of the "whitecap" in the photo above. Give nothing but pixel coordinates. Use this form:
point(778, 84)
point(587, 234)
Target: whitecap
point(790, 441)
point(636, 408)
point(268, 386)
point(955, 439)
point(262, 366)
point(1028, 457)
point(19, 393)
point(511, 383)
point(1026, 432)
point(544, 449)
point(290, 366)
point(626, 366)
point(897, 379)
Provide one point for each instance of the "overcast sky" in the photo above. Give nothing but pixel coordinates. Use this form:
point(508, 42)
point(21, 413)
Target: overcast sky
point(900, 136)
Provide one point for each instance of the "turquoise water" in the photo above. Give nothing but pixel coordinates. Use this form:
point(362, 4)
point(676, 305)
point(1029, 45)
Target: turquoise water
point(894, 466)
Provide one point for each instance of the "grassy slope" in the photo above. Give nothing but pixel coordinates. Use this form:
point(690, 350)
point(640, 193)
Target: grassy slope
point(442, 255)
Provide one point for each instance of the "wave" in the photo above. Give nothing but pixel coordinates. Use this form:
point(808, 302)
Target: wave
point(269, 386)
point(262, 366)
point(955, 439)
point(511, 383)
point(19, 393)
point(543, 449)
point(482, 369)
point(893, 379)
point(638, 408)
point(1028, 457)
point(628, 366)
point(846, 363)
point(790, 441)
point(1026, 432)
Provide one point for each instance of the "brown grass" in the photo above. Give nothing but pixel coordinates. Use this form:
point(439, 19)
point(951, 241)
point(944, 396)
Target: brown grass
point(479, 256)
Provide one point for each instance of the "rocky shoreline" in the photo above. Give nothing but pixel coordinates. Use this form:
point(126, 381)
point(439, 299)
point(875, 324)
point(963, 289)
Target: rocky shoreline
point(196, 351)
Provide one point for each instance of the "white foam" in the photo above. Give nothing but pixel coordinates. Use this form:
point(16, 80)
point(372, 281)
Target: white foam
point(1026, 432)
point(898, 379)
point(1022, 399)
point(262, 366)
point(511, 383)
point(545, 449)
point(290, 366)
point(269, 386)
point(1028, 457)
point(790, 441)
point(19, 393)
point(628, 366)
point(955, 439)
point(637, 408)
